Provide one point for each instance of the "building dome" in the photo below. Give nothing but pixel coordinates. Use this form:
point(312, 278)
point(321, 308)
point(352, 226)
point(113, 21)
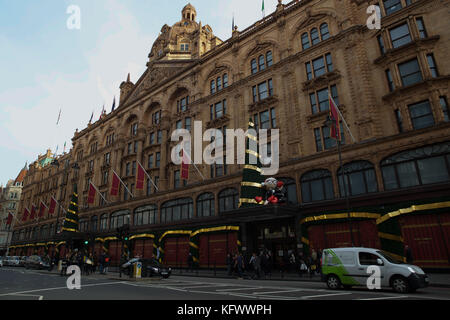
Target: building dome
point(188, 13)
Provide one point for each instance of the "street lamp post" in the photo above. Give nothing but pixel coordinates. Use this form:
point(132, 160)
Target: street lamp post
point(330, 124)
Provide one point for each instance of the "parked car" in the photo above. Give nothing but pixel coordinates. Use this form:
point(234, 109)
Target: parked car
point(37, 262)
point(150, 268)
point(1, 261)
point(22, 261)
point(348, 267)
point(11, 261)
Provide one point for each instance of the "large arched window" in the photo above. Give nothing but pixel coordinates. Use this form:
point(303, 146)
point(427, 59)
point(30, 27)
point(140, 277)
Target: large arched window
point(94, 222)
point(119, 218)
point(228, 200)
point(83, 225)
point(145, 215)
point(317, 185)
point(205, 205)
point(360, 178)
point(291, 188)
point(104, 222)
point(305, 41)
point(325, 34)
point(426, 165)
point(180, 209)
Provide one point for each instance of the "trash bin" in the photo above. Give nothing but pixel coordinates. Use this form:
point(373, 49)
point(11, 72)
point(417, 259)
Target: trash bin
point(137, 270)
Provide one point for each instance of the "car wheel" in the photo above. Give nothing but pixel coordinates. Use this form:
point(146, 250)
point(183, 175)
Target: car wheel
point(333, 282)
point(400, 285)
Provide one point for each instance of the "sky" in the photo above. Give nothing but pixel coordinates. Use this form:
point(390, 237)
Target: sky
point(46, 67)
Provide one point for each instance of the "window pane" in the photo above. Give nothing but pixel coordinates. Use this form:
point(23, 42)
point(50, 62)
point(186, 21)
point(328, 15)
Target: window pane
point(432, 65)
point(407, 175)
point(410, 72)
point(324, 31)
point(444, 105)
point(315, 36)
point(317, 191)
point(433, 170)
point(391, 6)
point(262, 89)
point(324, 104)
point(371, 180)
point(262, 63)
point(421, 27)
point(269, 58)
point(305, 41)
point(319, 67)
point(329, 193)
point(389, 178)
point(421, 115)
point(265, 120)
point(312, 99)
point(318, 139)
point(357, 184)
point(254, 66)
point(400, 35)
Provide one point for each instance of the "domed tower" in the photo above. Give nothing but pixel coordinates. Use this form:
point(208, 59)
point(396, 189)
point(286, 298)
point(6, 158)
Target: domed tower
point(188, 13)
point(185, 40)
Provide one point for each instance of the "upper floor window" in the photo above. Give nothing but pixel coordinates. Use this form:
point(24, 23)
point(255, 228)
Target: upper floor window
point(359, 178)
point(317, 185)
point(391, 6)
point(320, 100)
point(159, 137)
point(134, 129)
point(182, 104)
point(432, 65)
point(444, 106)
point(228, 200)
point(320, 66)
point(410, 72)
point(205, 205)
point(218, 109)
point(425, 165)
point(400, 35)
point(110, 139)
point(145, 215)
point(305, 41)
point(263, 62)
point(265, 120)
point(107, 158)
point(175, 210)
point(421, 28)
point(315, 39)
point(156, 117)
point(324, 33)
point(421, 115)
point(94, 147)
point(262, 90)
point(184, 47)
point(323, 138)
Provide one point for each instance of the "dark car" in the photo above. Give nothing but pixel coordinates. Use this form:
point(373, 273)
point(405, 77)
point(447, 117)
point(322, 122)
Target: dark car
point(150, 268)
point(37, 262)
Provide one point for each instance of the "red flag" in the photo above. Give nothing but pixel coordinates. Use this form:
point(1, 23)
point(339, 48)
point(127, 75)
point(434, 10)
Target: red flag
point(10, 218)
point(42, 209)
point(91, 194)
point(52, 208)
point(140, 177)
point(115, 185)
point(26, 213)
point(33, 212)
point(184, 166)
point(334, 115)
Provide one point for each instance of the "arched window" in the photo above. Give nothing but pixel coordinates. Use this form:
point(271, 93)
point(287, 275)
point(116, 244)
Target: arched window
point(426, 165)
point(361, 178)
point(291, 189)
point(213, 86)
point(44, 231)
point(180, 209)
point(317, 185)
point(261, 63)
point(269, 58)
point(94, 222)
point(103, 222)
point(254, 66)
point(219, 83)
point(325, 34)
point(315, 36)
point(228, 200)
point(305, 41)
point(225, 80)
point(83, 225)
point(145, 215)
point(205, 205)
point(119, 218)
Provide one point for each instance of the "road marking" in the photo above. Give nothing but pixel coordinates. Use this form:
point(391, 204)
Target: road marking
point(208, 285)
point(385, 298)
point(237, 289)
point(262, 296)
point(60, 288)
point(271, 292)
point(326, 295)
point(29, 295)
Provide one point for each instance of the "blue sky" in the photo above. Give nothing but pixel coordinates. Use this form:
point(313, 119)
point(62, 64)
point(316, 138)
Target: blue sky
point(45, 67)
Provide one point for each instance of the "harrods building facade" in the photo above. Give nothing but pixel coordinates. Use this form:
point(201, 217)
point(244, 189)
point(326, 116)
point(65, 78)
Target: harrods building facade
point(391, 85)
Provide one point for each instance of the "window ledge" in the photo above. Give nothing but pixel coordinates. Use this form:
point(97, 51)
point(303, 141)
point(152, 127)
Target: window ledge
point(262, 104)
point(391, 54)
point(427, 83)
point(322, 115)
point(218, 122)
point(323, 80)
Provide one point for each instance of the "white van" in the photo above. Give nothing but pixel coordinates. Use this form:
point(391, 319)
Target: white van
point(348, 267)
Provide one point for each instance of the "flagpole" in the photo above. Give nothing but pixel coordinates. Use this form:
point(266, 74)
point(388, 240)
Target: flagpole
point(123, 183)
point(157, 189)
point(99, 192)
point(347, 200)
point(190, 160)
point(342, 117)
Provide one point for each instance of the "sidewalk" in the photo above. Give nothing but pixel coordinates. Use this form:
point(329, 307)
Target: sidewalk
point(436, 279)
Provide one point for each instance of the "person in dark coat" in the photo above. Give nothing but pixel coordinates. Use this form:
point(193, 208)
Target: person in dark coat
point(408, 255)
point(229, 262)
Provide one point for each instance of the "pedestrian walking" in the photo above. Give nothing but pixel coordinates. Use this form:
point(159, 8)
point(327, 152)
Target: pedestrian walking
point(303, 267)
point(190, 262)
point(229, 262)
point(408, 255)
point(292, 262)
point(240, 265)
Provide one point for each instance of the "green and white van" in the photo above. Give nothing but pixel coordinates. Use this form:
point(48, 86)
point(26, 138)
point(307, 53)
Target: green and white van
point(348, 267)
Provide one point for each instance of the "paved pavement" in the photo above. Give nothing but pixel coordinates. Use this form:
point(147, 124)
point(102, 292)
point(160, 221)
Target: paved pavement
point(21, 284)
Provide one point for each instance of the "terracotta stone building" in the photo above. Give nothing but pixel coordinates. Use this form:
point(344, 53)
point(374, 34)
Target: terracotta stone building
point(391, 85)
